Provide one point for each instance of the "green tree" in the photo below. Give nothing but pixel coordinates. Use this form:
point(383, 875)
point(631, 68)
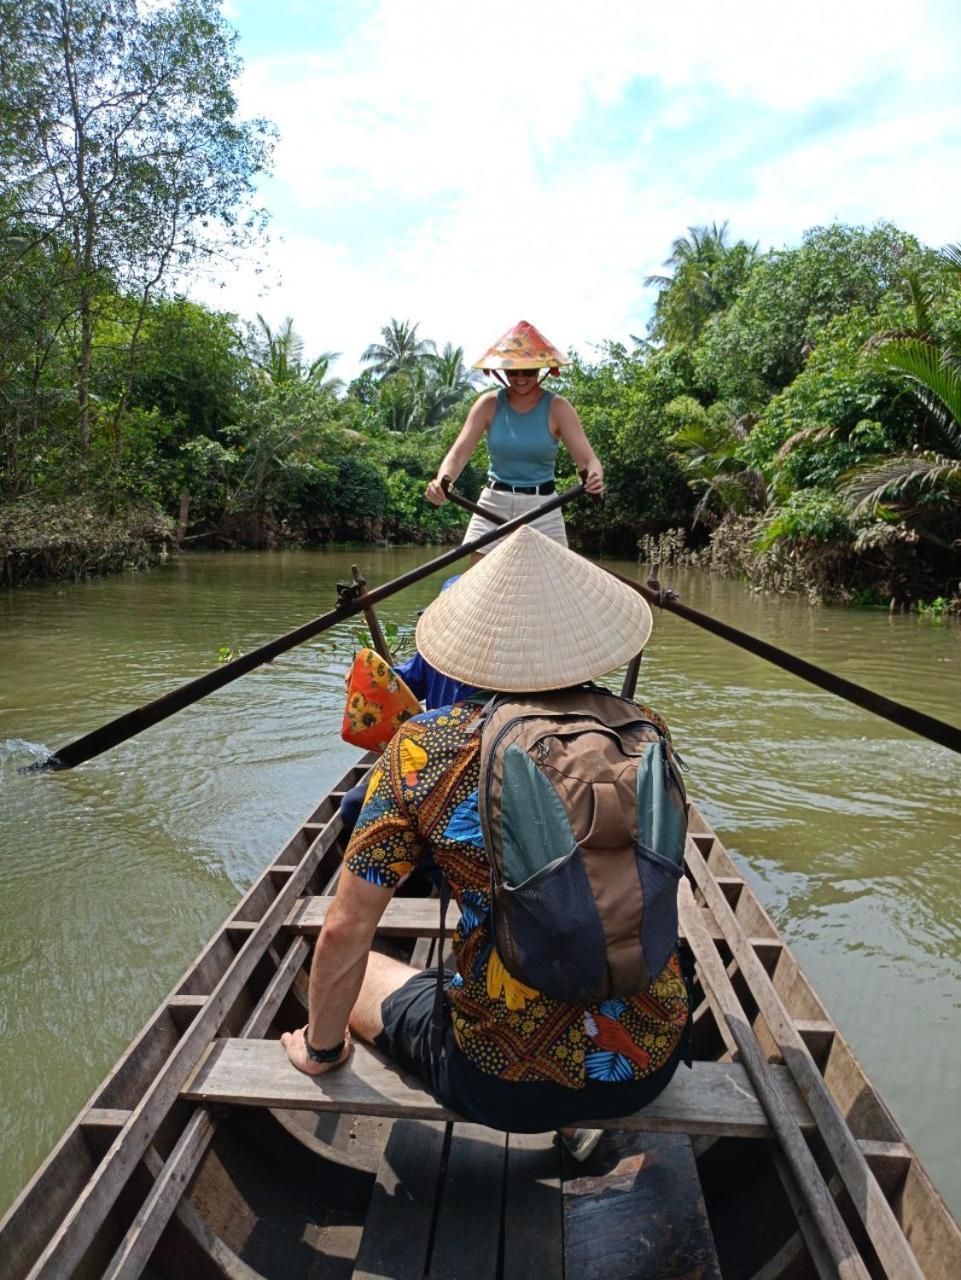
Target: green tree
point(450, 375)
point(759, 345)
point(279, 354)
point(621, 401)
point(706, 273)
point(401, 351)
point(36, 408)
point(922, 485)
point(421, 398)
point(282, 431)
point(191, 367)
point(125, 145)
point(708, 443)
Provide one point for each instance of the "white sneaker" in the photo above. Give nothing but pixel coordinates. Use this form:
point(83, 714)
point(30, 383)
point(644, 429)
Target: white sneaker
point(581, 1142)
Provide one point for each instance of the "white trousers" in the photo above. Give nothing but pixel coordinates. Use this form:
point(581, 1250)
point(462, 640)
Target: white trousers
point(510, 505)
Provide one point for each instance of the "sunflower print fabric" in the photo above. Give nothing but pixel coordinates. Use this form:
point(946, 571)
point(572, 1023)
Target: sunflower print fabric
point(378, 702)
point(422, 797)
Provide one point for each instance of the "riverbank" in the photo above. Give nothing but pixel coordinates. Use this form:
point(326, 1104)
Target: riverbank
point(82, 537)
point(733, 551)
point(76, 540)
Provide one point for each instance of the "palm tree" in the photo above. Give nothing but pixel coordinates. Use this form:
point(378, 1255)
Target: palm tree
point(701, 246)
point(401, 349)
point(707, 271)
point(279, 355)
point(450, 376)
point(707, 446)
point(416, 400)
point(450, 371)
point(930, 369)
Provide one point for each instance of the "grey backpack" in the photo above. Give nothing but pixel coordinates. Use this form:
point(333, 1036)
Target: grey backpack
point(584, 815)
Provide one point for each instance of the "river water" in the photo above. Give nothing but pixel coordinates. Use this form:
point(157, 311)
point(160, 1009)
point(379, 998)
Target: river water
point(114, 875)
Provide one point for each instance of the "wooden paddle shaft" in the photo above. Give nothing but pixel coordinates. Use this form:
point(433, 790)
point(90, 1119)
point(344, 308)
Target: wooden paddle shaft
point(377, 636)
point(939, 731)
point(134, 722)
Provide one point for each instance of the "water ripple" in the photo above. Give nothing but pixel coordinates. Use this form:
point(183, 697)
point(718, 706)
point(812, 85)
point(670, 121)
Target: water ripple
point(21, 753)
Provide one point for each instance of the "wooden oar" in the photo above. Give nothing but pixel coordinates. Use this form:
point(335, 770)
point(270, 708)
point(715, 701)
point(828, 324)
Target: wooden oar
point(134, 722)
point(899, 713)
point(377, 636)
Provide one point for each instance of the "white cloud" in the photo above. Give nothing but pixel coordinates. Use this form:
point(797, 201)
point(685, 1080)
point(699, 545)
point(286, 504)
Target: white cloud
point(456, 166)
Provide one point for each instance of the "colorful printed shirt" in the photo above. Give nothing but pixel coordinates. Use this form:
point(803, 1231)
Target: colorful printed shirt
point(422, 796)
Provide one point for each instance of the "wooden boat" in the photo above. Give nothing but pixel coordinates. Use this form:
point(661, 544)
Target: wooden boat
point(203, 1154)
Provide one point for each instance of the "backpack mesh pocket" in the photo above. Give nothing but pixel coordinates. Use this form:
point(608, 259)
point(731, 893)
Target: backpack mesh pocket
point(659, 878)
point(549, 935)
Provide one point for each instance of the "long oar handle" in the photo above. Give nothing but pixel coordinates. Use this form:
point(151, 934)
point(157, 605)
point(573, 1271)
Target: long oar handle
point(945, 735)
point(939, 731)
point(467, 505)
point(477, 510)
point(134, 722)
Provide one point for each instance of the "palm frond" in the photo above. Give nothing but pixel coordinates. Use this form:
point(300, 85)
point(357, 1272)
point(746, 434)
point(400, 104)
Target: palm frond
point(867, 487)
point(936, 382)
point(922, 300)
point(814, 435)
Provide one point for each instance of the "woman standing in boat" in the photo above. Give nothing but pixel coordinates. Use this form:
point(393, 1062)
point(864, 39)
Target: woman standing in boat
point(524, 424)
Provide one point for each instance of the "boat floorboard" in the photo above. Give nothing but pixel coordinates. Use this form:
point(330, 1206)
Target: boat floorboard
point(459, 1200)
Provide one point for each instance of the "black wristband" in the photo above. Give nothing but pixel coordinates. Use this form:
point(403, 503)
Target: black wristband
point(324, 1055)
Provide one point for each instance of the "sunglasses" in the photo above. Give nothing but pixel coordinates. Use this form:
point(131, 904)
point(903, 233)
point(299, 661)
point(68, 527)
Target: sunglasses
point(521, 373)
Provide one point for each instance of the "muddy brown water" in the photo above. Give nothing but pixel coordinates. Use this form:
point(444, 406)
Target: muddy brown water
point(114, 875)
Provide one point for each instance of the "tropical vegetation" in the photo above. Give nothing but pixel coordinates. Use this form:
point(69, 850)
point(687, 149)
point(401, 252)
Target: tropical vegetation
point(790, 415)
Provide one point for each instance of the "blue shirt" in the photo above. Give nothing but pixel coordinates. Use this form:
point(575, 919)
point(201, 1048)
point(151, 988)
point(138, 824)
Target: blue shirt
point(521, 448)
point(433, 689)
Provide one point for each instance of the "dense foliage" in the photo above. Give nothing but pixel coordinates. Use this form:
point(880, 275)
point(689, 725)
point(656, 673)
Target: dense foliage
point(796, 412)
point(820, 423)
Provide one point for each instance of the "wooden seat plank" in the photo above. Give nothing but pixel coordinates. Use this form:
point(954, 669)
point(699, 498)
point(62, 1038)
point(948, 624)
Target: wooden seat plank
point(533, 1211)
point(713, 1098)
point(639, 1214)
point(397, 1228)
point(467, 1239)
point(412, 918)
point(402, 918)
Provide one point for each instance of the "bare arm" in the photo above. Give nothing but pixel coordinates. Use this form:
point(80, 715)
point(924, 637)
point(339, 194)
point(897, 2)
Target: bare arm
point(461, 451)
point(337, 969)
point(568, 427)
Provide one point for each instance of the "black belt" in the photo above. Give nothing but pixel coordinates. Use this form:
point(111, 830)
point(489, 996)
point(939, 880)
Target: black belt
point(547, 487)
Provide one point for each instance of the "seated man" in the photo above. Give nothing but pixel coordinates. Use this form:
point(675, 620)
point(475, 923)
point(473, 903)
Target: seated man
point(430, 687)
point(532, 617)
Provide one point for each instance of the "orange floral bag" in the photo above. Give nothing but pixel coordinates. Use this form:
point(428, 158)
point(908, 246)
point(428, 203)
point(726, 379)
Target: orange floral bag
point(378, 702)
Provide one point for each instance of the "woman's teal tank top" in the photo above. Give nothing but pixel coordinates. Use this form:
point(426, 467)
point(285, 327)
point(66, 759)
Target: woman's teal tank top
point(521, 447)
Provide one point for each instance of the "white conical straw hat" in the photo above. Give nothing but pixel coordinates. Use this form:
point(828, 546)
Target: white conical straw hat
point(533, 616)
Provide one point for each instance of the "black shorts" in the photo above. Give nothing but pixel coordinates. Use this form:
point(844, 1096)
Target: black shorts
point(524, 1107)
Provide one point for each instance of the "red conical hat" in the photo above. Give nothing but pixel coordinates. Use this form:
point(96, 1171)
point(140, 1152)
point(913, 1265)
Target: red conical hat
point(521, 347)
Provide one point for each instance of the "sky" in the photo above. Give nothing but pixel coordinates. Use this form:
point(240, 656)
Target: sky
point(465, 165)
